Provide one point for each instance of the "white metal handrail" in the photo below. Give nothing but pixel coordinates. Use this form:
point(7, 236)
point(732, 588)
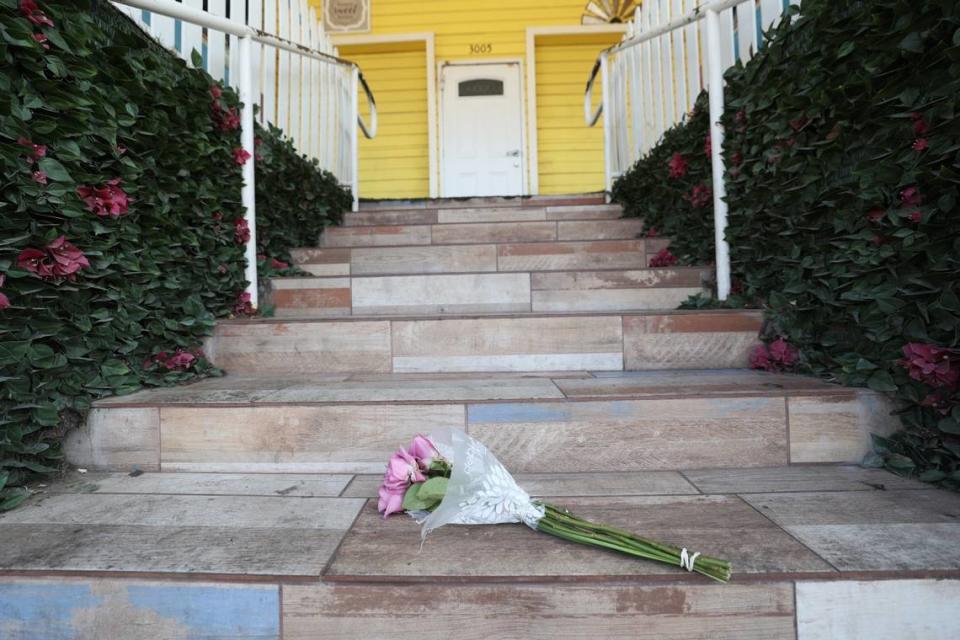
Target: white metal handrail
point(348, 157)
point(657, 51)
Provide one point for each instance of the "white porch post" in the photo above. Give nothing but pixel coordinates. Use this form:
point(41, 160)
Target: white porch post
point(608, 111)
point(715, 71)
point(354, 125)
point(249, 194)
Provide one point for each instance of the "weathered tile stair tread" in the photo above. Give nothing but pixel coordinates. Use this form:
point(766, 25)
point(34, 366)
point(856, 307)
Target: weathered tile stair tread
point(477, 388)
point(169, 525)
point(755, 315)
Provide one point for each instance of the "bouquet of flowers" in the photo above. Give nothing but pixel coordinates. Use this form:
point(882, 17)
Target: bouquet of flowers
point(451, 478)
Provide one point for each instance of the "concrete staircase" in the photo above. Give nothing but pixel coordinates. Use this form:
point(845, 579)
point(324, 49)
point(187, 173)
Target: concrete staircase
point(536, 325)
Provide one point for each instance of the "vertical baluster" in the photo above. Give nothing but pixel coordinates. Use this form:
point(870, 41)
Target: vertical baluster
point(192, 36)
point(271, 80)
point(217, 42)
point(692, 57)
point(679, 65)
point(667, 69)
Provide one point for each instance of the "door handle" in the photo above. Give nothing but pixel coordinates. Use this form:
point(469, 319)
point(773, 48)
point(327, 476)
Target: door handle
point(513, 154)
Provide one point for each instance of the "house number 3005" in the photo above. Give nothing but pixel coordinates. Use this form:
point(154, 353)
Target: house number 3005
point(484, 47)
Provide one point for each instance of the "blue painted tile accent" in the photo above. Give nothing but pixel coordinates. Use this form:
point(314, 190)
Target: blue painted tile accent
point(46, 609)
point(517, 412)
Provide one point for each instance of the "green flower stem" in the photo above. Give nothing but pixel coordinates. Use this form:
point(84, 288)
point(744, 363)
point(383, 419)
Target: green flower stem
point(561, 523)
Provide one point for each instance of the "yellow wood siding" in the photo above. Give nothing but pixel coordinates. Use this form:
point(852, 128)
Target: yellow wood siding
point(396, 163)
point(570, 153)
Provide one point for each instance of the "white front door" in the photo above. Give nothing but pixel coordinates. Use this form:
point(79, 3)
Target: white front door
point(482, 136)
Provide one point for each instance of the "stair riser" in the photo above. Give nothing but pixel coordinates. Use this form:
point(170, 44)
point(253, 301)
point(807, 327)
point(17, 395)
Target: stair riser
point(532, 436)
point(58, 607)
point(481, 233)
point(588, 342)
point(493, 201)
point(487, 214)
point(535, 256)
point(647, 289)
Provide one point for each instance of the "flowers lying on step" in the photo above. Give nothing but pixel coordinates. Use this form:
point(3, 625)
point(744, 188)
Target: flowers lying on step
point(663, 258)
point(779, 355)
point(59, 259)
point(451, 478)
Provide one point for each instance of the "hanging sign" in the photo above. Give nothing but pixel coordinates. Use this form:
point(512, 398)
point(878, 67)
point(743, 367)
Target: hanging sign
point(346, 15)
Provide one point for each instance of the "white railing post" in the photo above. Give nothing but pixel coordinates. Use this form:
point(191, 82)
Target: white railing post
point(715, 88)
point(608, 114)
point(353, 122)
point(249, 193)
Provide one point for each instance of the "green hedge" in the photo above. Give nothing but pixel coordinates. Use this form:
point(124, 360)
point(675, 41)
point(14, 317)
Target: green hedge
point(121, 235)
point(843, 166)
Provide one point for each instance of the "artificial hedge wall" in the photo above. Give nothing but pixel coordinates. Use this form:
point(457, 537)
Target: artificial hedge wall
point(121, 230)
point(843, 166)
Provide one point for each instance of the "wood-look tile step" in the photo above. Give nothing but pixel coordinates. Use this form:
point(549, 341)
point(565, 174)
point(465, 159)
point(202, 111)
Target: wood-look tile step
point(481, 233)
point(408, 216)
point(571, 341)
point(533, 422)
point(510, 256)
point(434, 294)
point(168, 556)
point(492, 201)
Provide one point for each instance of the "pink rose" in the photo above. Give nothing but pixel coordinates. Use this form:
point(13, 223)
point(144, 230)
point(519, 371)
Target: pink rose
point(402, 469)
point(240, 156)
point(422, 449)
point(391, 500)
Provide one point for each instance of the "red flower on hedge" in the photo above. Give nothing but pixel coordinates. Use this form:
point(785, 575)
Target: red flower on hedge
point(58, 259)
point(932, 365)
point(911, 197)
point(37, 151)
point(707, 146)
point(215, 91)
point(41, 39)
point(217, 216)
point(30, 11)
point(663, 258)
point(106, 201)
point(278, 264)
point(736, 159)
point(876, 214)
point(921, 144)
point(241, 155)
point(4, 300)
point(915, 217)
point(179, 360)
point(779, 355)
point(241, 231)
point(919, 124)
point(243, 307)
point(677, 165)
point(941, 400)
point(701, 196)
point(40, 177)
point(798, 123)
point(224, 120)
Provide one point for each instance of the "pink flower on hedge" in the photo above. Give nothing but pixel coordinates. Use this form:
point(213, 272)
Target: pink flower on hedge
point(940, 400)
point(41, 39)
point(678, 166)
point(919, 124)
point(915, 217)
point(652, 232)
point(243, 306)
point(106, 201)
point(779, 355)
point(179, 360)
point(59, 259)
point(911, 197)
point(663, 258)
point(224, 120)
point(736, 159)
point(877, 240)
point(4, 302)
point(708, 146)
point(32, 12)
point(876, 214)
point(278, 264)
point(217, 216)
point(37, 151)
point(40, 177)
point(701, 196)
point(215, 91)
point(241, 155)
point(920, 144)
point(241, 231)
point(932, 365)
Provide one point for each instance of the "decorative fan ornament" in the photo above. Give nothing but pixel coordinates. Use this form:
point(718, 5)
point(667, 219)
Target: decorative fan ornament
point(608, 11)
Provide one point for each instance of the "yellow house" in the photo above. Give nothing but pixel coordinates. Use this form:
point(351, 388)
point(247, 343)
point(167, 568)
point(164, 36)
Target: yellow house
point(478, 98)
